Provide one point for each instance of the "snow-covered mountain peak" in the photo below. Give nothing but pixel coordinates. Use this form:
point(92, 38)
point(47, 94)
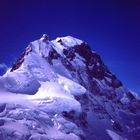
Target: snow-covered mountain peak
point(44, 45)
point(68, 90)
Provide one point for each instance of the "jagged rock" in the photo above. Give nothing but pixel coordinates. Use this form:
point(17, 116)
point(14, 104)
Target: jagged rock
point(2, 107)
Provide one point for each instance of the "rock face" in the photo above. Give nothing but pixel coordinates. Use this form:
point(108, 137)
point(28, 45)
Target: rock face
point(65, 91)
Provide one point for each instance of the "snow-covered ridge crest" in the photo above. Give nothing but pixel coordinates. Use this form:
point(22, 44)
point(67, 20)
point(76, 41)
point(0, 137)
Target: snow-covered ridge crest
point(69, 41)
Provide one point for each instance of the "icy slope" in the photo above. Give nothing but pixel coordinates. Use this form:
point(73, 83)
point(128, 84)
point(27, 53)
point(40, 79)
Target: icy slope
point(60, 89)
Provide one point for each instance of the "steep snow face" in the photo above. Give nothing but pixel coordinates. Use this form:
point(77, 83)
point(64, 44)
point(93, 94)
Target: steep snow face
point(63, 86)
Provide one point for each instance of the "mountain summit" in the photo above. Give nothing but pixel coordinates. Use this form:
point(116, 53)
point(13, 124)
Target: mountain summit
point(62, 90)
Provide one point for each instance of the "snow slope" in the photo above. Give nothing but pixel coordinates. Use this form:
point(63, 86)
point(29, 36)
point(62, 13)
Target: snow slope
point(61, 89)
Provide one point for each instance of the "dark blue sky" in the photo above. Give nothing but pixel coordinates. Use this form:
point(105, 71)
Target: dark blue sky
point(111, 27)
